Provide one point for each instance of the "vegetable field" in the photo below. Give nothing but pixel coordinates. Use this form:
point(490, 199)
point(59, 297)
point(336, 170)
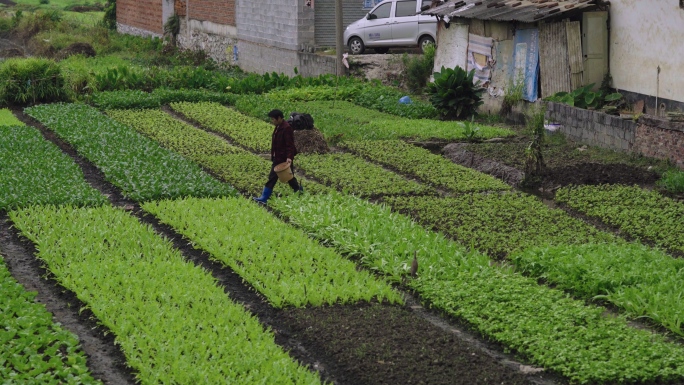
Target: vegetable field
point(395, 265)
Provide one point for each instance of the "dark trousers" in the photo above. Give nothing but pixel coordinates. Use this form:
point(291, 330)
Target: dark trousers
point(273, 178)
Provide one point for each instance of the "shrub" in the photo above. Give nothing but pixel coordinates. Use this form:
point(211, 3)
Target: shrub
point(418, 69)
point(673, 181)
point(33, 80)
point(109, 18)
point(583, 97)
point(454, 94)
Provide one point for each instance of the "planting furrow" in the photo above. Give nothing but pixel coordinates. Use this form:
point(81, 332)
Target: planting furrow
point(432, 169)
point(35, 171)
point(357, 176)
point(279, 261)
point(639, 213)
point(543, 324)
point(245, 171)
point(252, 133)
point(34, 348)
point(499, 224)
point(137, 284)
point(643, 281)
point(139, 166)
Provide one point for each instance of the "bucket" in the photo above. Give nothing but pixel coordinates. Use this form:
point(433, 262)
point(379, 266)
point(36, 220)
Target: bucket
point(284, 172)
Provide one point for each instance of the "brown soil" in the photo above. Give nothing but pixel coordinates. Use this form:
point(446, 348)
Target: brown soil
point(310, 142)
point(458, 153)
point(362, 344)
point(84, 49)
point(597, 173)
point(8, 2)
point(388, 345)
point(11, 52)
point(85, 8)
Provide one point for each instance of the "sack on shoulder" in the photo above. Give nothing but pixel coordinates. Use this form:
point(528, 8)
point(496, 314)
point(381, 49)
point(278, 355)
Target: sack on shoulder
point(300, 121)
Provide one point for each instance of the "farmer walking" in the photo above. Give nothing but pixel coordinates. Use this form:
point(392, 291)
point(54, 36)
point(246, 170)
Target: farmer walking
point(282, 151)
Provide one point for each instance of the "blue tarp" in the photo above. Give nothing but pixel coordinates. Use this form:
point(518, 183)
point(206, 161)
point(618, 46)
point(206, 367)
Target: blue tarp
point(526, 61)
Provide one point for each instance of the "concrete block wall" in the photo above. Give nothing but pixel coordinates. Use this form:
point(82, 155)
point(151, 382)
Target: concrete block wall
point(593, 127)
point(650, 136)
point(141, 15)
point(275, 23)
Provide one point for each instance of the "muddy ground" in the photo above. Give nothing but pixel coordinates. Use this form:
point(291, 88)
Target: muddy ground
point(361, 344)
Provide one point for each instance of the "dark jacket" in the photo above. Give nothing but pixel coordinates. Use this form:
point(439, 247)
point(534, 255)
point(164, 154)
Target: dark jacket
point(282, 143)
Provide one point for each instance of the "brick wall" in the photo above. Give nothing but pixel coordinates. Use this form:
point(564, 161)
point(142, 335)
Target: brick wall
point(216, 11)
point(142, 14)
point(658, 138)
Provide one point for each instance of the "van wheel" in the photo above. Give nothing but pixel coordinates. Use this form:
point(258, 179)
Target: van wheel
point(356, 46)
point(424, 41)
point(381, 50)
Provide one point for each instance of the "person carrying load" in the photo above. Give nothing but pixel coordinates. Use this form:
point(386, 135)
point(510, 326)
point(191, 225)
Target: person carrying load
point(283, 151)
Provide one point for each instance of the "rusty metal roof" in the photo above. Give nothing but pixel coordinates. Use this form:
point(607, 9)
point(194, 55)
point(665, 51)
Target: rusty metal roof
point(508, 10)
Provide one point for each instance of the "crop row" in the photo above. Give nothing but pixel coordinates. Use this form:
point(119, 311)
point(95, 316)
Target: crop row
point(643, 281)
point(244, 130)
point(543, 324)
point(35, 349)
point(8, 119)
point(243, 170)
point(281, 262)
point(353, 174)
point(342, 120)
point(372, 96)
point(499, 223)
point(35, 171)
point(157, 98)
point(433, 169)
point(139, 166)
point(136, 284)
point(640, 213)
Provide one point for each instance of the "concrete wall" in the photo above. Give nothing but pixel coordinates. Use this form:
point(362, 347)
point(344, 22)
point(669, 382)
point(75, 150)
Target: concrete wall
point(645, 34)
point(649, 136)
point(144, 17)
point(261, 59)
point(285, 24)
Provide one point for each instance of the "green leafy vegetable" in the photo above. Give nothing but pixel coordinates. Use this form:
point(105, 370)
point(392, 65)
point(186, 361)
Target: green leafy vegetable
point(173, 323)
point(277, 260)
point(36, 171)
point(137, 165)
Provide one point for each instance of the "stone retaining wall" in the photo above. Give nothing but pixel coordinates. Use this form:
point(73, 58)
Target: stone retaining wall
point(649, 136)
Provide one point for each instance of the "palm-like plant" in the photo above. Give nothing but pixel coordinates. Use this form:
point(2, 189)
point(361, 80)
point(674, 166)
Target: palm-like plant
point(454, 94)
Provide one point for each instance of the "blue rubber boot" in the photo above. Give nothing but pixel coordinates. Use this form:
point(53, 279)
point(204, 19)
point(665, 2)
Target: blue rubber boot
point(264, 195)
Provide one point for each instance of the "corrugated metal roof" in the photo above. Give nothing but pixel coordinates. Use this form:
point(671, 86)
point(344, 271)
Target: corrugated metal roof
point(508, 10)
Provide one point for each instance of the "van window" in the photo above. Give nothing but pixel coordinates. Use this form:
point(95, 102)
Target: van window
point(405, 8)
point(383, 11)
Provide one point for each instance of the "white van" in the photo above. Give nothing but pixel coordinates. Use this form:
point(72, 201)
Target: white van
point(392, 23)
